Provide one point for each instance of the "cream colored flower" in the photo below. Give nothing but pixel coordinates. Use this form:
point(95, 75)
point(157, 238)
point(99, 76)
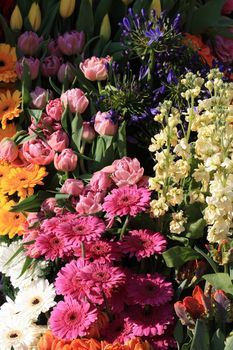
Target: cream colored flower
point(175, 196)
point(177, 223)
point(159, 207)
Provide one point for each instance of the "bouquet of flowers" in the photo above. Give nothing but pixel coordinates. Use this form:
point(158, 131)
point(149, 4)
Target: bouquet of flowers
point(116, 175)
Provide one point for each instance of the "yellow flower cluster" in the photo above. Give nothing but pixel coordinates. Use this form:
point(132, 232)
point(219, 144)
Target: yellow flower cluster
point(16, 183)
point(198, 166)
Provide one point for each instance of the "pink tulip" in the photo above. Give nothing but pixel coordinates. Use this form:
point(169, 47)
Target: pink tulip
point(76, 100)
point(66, 70)
point(8, 150)
point(66, 160)
point(100, 181)
point(105, 124)
point(91, 203)
point(72, 187)
point(50, 66)
point(38, 152)
point(95, 68)
point(58, 140)
point(71, 43)
point(54, 49)
point(88, 134)
point(54, 109)
point(33, 67)
point(39, 97)
point(227, 7)
point(127, 171)
point(29, 42)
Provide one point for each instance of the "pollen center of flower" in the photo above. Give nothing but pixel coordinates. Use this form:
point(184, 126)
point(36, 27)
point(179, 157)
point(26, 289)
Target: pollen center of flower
point(101, 276)
point(80, 229)
point(36, 301)
point(2, 63)
point(150, 287)
point(13, 335)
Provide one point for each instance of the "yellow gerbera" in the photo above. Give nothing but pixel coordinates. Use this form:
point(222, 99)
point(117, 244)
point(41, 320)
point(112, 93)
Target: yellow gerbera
point(9, 106)
point(4, 171)
point(7, 63)
point(9, 131)
point(11, 223)
point(22, 180)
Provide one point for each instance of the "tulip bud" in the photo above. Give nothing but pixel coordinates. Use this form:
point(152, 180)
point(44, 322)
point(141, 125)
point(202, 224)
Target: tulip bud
point(156, 6)
point(66, 8)
point(66, 160)
point(16, 21)
point(8, 150)
point(105, 29)
point(72, 187)
point(88, 134)
point(34, 16)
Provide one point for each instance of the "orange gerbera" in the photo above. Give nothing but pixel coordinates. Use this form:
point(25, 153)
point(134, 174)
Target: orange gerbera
point(9, 131)
point(195, 41)
point(10, 223)
point(22, 180)
point(9, 106)
point(7, 63)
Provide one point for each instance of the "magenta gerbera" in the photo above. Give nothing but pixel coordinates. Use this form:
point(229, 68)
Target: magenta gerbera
point(100, 250)
point(118, 330)
point(81, 229)
point(71, 319)
point(163, 342)
point(127, 200)
point(100, 278)
point(149, 290)
point(68, 281)
point(143, 243)
point(150, 321)
point(51, 246)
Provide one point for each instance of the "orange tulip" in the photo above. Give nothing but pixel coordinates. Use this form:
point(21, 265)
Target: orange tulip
point(45, 342)
point(85, 344)
point(138, 344)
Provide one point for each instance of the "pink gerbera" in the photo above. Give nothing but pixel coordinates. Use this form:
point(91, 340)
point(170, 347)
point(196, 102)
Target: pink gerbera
point(149, 290)
point(143, 243)
point(100, 278)
point(100, 250)
point(119, 330)
point(150, 321)
point(71, 319)
point(81, 229)
point(51, 246)
point(126, 200)
point(163, 342)
point(68, 281)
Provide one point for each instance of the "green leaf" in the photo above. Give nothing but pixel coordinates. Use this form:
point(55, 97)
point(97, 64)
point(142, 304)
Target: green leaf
point(217, 341)
point(54, 86)
point(10, 38)
point(208, 259)
point(59, 196)
point(76, 130)
point(32, 203)
point(196, 229)
point(49, 18)
point(36, 114)
point(201, 339)
point(101, 10)
point(18, 251)
point(206, 16)
point(85, 22)
point(177, 256)
point(179, 332)
point(65, 119)
point(27, 263)
point(220, 280)
point(229, 343)
point(122, 140)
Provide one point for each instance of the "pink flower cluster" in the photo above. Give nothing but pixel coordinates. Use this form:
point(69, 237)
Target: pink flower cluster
point(96, 278)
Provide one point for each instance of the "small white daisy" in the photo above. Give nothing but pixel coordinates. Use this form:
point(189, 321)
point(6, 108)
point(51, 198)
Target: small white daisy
point(36, 298)
point(18, 333)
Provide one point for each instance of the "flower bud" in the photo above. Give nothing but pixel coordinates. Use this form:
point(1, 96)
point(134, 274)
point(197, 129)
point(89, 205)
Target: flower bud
point(46, 341)
point(34, 16)
point(88, 134)
point(66, 8)
point(16, 21)
point(105, 29)
point(58, 140)
point(50, 66)
point(8, 150)
point(76, 100)
point(28, 43)
point(33, 67)
point(105, 124)
point(67, 70)
point(66, 160)
point(156, 6)
point(73, 187)
point(71, 43)
point(39, 97)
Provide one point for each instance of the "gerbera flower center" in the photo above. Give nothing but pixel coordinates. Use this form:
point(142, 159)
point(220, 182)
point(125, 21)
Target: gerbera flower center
point(36, 301)
point(5, 108)
point(55, 241)
point(80, 229)
point(101, 276)
point(150, 287)
point(14, 335)
point(2, 63)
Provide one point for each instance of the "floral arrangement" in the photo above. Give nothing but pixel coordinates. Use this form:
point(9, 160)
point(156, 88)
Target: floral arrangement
point(116, 175)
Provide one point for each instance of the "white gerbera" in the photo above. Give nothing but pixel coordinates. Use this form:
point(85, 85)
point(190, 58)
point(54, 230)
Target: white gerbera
point(36, 298)
point(8, 309)
point(18, 333)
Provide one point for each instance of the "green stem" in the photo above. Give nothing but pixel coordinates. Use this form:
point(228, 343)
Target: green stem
point(124, 227)
point(83, 250)
point(151, 67)
point(81, 161)
point(99, 86)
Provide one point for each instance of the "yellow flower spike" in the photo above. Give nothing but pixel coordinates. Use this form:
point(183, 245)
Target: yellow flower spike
point(66, 8)
point(127, 2)
point(16, 20)
point(156, 5)
point(34, 16)
point(105, 29)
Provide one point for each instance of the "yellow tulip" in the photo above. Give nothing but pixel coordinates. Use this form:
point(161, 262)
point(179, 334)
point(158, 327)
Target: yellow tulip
point(16, 21)
point(34, 16)
point(105, 29)
point(156, 5)
point(127, 2)
point(66, 8)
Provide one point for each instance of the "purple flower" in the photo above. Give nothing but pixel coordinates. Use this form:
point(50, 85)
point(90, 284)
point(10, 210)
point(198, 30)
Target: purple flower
point(71, 43)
